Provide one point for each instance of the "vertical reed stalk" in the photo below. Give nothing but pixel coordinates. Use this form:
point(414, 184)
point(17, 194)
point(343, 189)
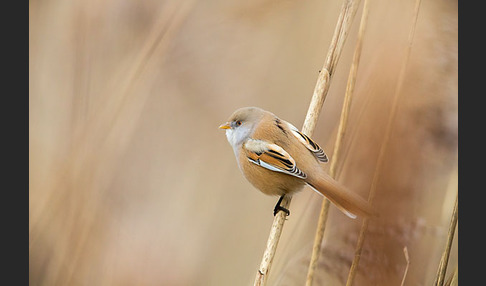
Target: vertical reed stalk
point(453, 279)
point(341, 31)
point(321, 225)
point(405, 253)
point(384, 145)
point(441, 271)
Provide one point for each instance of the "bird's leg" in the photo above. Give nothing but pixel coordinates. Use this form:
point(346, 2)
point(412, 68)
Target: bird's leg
point(278, 207)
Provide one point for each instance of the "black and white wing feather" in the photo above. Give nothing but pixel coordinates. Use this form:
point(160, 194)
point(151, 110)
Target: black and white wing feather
point(272, 157)
point(310, 144)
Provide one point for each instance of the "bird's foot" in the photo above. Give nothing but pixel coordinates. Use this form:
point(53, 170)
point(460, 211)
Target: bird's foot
point(278, 207)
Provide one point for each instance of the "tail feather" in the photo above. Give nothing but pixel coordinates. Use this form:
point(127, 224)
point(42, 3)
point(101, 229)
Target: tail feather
point(348, 202)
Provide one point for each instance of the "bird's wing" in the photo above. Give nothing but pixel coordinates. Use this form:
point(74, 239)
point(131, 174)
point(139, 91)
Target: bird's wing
point(309, 143)
point(272, 157)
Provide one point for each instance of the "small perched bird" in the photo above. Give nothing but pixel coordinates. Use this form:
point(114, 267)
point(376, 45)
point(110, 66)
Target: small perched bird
point(278, 159)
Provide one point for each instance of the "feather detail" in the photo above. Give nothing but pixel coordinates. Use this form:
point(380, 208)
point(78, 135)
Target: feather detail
point(310, 144)
point(272, 157)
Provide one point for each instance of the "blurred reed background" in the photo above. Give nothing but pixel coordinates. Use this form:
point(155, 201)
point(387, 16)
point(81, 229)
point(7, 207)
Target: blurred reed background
point(132, 183)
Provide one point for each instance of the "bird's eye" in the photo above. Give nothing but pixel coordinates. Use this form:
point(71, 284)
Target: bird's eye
point(238, 123)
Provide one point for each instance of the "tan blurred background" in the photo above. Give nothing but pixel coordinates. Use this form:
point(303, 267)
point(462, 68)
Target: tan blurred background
point(132, 183)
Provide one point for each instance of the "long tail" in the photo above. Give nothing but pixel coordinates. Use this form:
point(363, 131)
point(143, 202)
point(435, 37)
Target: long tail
point(348, 202)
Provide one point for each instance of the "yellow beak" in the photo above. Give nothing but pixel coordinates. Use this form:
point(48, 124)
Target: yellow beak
point(225, 126)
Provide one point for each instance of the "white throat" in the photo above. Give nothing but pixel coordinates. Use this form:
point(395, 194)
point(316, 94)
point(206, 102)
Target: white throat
point(237, 136)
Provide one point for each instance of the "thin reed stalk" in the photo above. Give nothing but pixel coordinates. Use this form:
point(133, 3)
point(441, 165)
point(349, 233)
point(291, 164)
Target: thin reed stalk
point(341, 31)
point(384, 145)
point(441, 271)
point(453, 279)
point(407, 259)
point(321, 225)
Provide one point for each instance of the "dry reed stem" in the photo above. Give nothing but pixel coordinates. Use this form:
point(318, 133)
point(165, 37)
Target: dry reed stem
point(405, 253)
point(321, 225)
point(320, 91)
point(441, 271)
point(453, 279)
point(341, 31)
point(272, 243)
point(384, 145)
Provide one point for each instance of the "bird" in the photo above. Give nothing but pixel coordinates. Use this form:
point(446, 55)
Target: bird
point(278, 159)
